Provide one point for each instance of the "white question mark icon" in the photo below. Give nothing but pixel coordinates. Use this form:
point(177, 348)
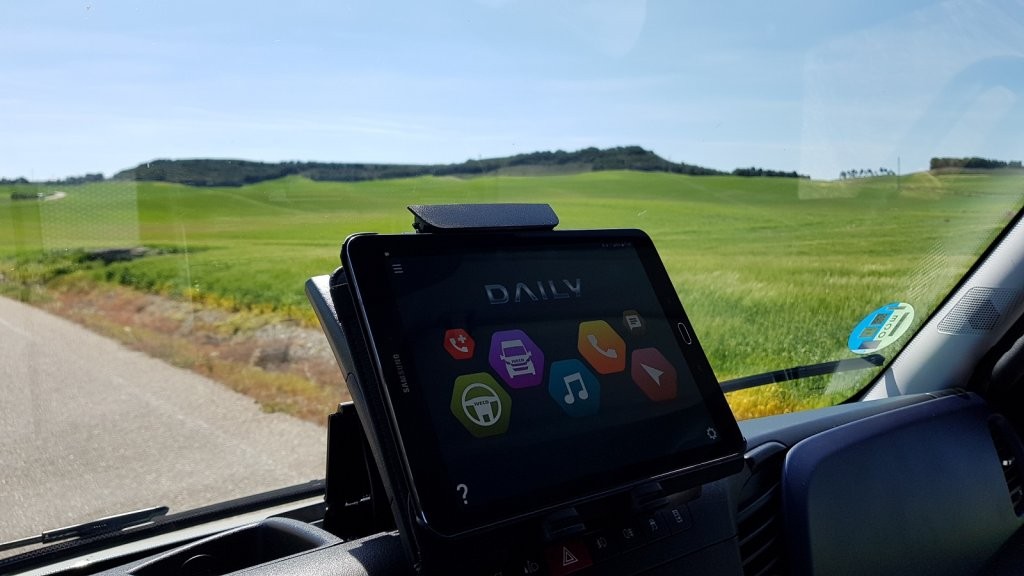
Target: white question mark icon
point(464, 490)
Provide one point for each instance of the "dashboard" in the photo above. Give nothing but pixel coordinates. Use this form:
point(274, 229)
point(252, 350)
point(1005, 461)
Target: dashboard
point(853, 489)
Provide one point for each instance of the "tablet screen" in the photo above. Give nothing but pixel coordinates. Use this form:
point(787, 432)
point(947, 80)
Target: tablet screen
point(527, 371)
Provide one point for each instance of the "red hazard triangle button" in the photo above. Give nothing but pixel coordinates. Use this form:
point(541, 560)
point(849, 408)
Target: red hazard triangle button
point(567, 557)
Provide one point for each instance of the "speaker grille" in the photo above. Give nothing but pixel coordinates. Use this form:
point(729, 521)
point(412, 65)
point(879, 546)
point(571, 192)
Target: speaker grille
point(979, 310)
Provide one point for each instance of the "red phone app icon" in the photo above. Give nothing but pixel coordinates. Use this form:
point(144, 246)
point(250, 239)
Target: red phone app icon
point(459, 344)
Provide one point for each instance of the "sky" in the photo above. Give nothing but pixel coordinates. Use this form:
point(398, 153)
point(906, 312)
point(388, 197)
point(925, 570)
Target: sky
point(100, 86)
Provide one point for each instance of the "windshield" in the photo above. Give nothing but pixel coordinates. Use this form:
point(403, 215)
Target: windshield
point(815, 177)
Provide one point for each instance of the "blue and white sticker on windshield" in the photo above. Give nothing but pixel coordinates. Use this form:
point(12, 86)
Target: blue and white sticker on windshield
point(881, 328)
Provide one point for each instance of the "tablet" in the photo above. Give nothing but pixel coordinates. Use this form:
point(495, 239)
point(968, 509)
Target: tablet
point(525, 372)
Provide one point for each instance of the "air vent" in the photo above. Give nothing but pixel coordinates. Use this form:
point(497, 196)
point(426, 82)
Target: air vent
point(1008, 449)
point(759, 520)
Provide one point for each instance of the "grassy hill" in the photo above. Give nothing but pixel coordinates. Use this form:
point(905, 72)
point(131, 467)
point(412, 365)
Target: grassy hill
point(774, 272)
point(223, 172)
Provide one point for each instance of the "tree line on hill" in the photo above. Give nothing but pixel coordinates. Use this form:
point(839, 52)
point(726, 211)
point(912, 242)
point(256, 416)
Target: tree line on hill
point(972, 163)
point(221, 172)
point(862, 173)
point(213, 172)
point(34, 193)
point(754, 172)
point(69, 181)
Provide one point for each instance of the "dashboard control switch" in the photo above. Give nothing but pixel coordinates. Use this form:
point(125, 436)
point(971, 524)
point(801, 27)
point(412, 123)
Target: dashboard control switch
point(653, 526)
point(630, 535)
point(567, 557)
point(602, 545)
point(677, 518)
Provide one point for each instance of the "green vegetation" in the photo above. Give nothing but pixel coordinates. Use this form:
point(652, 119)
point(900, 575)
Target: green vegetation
point(70, 180)
point(971, 163)
point(755, 172)
point(210, 172)
point(24, 195)
point(775, 272)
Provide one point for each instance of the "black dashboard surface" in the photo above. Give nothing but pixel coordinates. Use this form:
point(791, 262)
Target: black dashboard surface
point(867, 488)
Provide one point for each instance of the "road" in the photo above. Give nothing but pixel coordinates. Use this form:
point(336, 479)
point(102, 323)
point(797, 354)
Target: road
point(89, 428)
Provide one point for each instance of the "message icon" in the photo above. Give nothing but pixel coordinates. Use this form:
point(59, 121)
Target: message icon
point(634, 323)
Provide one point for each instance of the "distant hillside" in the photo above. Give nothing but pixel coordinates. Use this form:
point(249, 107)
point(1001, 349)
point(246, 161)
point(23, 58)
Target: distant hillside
point(210, 172)
point(971, 163)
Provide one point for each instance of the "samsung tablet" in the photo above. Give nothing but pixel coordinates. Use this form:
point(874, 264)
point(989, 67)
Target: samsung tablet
point(524, 372)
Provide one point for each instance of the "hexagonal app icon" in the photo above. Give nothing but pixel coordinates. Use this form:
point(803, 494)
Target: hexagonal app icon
point(654, 374)
point(481, 404)
point(574, 388)
point(634, 323)
point(602, 347)
point(516, 359)
point(459, 344)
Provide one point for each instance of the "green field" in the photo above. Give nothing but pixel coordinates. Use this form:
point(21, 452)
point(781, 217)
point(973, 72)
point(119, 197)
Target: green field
point(774, 272)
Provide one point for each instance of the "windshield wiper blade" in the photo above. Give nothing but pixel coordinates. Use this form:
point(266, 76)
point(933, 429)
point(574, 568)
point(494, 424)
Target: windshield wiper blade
point(114, 523)
point(798, 372)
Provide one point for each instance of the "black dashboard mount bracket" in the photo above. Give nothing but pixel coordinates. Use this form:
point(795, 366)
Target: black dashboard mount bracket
point(455, 218)
point(356, 505)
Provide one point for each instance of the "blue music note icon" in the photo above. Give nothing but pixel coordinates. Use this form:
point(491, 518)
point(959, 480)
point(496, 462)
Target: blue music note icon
point(574, 388)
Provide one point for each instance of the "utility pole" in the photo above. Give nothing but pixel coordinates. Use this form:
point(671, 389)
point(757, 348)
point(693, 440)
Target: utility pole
point(897, 173)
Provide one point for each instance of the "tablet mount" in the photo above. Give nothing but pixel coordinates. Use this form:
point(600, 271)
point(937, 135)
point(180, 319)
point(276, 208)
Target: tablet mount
point(623, 533)
point(455, 218)
point(355, 499)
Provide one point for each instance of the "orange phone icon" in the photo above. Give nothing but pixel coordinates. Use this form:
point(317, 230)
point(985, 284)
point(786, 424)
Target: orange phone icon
point(602, 347)
point(610, 352)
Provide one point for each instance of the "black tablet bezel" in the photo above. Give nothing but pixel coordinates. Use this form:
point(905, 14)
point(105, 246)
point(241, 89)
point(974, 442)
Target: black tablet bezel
point(365, 257)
